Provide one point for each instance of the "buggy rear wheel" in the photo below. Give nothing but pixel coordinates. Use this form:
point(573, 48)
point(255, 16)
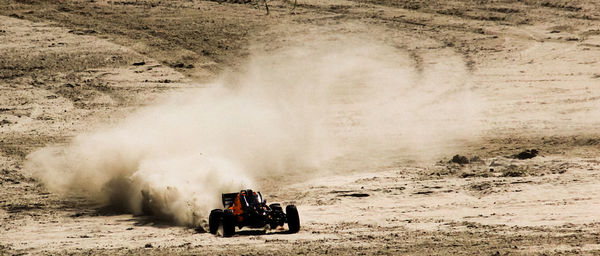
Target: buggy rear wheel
point(293, 219)
point(214, 220)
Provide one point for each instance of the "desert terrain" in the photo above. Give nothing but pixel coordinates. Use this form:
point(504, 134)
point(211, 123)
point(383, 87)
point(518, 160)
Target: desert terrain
point(394, 126)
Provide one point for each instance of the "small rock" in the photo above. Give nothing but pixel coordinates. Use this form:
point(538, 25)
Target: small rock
point(83, 32)
point(14, 15)
point(527, 154)
point(64, 9)
point(79, 214)
point(4, 121)
point(459, 159)
point(148, 246)
point(141, 63)
point(356, 195)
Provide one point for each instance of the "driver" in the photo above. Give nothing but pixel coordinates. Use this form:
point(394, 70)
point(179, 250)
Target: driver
point(244, 199)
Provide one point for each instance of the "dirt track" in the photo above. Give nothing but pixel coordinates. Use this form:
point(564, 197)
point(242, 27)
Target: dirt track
point(67, 68)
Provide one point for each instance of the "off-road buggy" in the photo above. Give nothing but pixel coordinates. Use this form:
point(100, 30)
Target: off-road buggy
point(248, 209)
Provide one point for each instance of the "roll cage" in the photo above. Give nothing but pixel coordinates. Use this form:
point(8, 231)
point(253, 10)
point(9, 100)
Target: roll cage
point(247, 198)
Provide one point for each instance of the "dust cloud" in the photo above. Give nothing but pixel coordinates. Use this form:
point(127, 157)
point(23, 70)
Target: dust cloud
point(310, 106)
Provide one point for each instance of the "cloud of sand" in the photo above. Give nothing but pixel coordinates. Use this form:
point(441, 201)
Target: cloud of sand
point(310, 106)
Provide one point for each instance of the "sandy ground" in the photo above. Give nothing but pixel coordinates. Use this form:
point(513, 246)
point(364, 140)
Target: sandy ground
point(68, 67)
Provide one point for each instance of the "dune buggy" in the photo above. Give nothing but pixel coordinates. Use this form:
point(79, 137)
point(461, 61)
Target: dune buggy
point(248, 209)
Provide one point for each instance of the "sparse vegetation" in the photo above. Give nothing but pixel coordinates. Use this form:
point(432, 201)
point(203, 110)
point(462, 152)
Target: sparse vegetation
point(481, 186)
point(515, 171)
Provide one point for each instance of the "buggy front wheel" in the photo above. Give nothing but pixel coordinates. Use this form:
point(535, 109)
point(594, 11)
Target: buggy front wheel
point(293, 219)
point(228, 222)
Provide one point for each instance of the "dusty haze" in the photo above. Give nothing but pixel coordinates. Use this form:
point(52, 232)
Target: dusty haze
point(293, 110)
point(350, 110)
